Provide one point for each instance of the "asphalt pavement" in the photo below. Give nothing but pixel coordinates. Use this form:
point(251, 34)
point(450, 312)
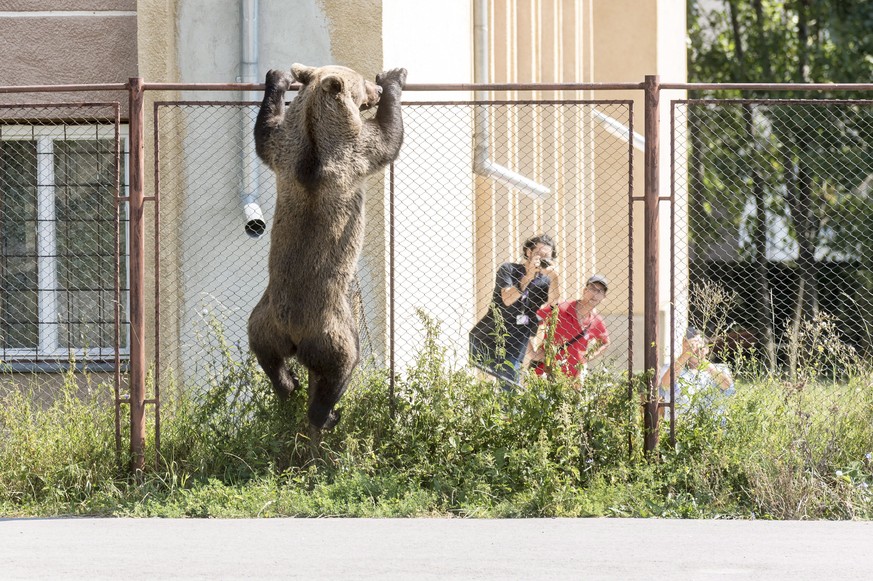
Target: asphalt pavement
point(386, 549)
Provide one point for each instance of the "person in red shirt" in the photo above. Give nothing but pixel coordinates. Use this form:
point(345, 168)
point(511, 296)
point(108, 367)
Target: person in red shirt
point(580, 333)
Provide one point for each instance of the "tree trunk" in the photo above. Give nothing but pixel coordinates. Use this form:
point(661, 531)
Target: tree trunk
point(800, 203)
point(764, 311)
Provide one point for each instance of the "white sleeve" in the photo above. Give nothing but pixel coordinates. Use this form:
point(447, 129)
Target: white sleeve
point(664, 393)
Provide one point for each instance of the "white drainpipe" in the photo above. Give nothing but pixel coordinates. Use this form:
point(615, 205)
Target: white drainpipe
point(482, 162)
point(618, 129)
point(255, 225)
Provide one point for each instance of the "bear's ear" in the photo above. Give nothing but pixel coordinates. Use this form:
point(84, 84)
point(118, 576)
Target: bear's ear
point(302, 73)
point(332, 84)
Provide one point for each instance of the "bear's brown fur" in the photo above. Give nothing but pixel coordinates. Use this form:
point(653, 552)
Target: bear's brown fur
point(320, 150)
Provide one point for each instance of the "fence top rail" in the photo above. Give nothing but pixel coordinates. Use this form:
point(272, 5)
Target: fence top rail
point(63, 88)
point(456, 87)
point(199, 103)
point(768, 86)
point(412, 86)
point(770, 102)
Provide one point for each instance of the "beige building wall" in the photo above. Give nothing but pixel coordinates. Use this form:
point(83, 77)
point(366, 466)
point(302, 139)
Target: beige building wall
point(62, 42)
point(59, 42)
point(81, 41)
point(433, 208)
point(209, 268)
point(579, 41)
point(562, 148)
point(539, 42)
point(157, 32)
point(634, 39)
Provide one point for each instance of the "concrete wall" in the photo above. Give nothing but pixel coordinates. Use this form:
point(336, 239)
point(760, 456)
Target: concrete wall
point(222, 272)
point(433, 176)
point(673, 65)
point(634, 39)
point(568, 41)
point(55, 42)
point(207, 260)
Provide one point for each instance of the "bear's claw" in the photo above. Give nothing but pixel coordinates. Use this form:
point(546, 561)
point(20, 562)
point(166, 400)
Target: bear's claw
point(278, 79)
point(394, 75)
point(332, 419)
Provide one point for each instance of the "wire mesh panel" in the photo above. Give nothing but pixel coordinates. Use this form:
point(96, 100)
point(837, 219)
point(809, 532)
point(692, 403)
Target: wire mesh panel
point(474, 182)
point(212, 259)
point(438, 224)
point(775, 233)
point(211, 269)
point(63, 285)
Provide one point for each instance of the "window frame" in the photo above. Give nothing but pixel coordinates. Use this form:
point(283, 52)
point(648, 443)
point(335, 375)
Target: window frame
point(49, 348)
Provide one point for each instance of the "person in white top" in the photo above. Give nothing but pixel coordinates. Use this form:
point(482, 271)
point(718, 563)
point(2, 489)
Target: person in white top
point(694, 373)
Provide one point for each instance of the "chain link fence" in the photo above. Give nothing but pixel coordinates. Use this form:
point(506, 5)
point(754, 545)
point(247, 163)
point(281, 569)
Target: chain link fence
point(63, 290)
point(439, 224)
point(776, 236)
point(770, 243)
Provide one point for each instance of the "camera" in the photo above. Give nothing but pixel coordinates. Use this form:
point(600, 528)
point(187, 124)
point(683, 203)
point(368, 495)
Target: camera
point(545, 263)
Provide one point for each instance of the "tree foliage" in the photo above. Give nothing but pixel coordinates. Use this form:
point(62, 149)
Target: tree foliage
point(791, 170)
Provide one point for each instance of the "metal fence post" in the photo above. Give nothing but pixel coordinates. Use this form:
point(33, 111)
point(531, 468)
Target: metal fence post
point(650, 269)
point(137, 277)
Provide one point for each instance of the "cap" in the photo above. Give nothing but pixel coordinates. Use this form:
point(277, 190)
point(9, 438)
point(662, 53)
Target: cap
point(599, 278)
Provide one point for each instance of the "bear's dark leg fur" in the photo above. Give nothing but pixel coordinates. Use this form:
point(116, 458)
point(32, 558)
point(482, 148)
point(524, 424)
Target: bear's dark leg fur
point(273, 364)
point(331, 361)
point(283, 380)
point(271, 352)
point(272, 110)
point(389, 117)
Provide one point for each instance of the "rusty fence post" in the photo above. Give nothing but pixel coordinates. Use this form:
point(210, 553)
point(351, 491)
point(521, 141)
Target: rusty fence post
point(137, 277)
point(650, 251)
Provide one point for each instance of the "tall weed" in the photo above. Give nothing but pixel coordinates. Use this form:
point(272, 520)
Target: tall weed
point(57, 454)
point(449, 442)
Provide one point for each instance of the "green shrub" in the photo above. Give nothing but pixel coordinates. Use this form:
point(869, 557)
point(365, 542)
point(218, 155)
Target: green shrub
point(57, 455)
point(448, 442)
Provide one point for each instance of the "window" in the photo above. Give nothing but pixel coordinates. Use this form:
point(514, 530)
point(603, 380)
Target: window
point(57, 230)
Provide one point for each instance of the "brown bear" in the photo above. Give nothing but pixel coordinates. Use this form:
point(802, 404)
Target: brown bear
point(321, 150)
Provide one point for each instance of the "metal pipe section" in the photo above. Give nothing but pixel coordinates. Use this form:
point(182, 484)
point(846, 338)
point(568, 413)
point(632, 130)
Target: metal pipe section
point(631, 388)
point(465, 87)
point(618, 129)
point(651, 251)
point(482, 162)
point(62, 88)
point(768, 86)
point(137, 278)
point(157, 285)
point(254, 223)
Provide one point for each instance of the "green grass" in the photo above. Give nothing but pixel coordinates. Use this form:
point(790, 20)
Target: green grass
point(450, 444)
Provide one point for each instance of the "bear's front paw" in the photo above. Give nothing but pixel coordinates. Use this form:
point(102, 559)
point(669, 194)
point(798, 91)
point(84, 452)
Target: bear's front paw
point(280, 80)
point(393, 76)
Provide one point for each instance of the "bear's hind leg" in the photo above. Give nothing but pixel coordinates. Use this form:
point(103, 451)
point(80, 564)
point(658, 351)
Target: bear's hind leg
point(284, 381)
point(271, 349)
point(331, 361)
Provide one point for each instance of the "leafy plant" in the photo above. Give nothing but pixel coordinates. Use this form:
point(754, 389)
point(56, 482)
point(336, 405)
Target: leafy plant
point(453, 444)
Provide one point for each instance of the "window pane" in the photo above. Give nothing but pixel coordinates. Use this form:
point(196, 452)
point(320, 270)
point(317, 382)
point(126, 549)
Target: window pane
point(81, 321)
point(85, 200)
point(18, 274)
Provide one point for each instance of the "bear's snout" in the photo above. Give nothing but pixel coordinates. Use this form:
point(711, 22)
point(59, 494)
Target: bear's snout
point(372, 95)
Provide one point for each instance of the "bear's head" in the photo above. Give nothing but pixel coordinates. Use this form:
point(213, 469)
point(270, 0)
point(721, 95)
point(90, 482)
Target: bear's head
point(345, 86)
point(329, 108)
